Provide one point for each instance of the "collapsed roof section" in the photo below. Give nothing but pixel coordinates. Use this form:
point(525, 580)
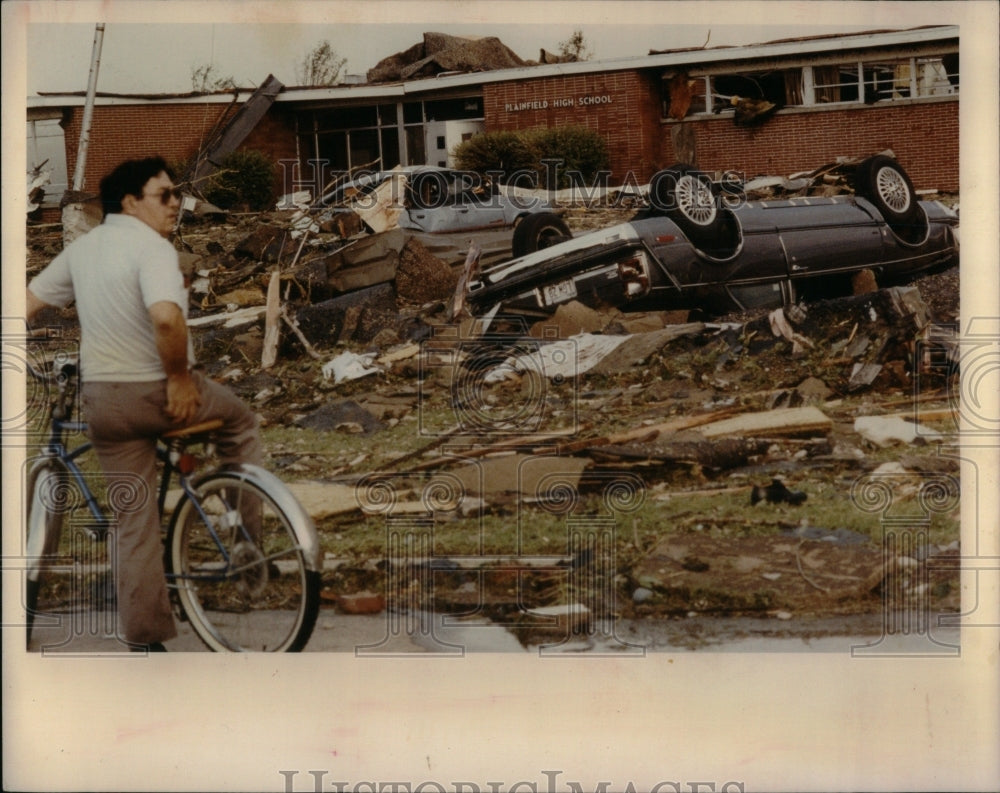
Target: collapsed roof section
point(440, 52)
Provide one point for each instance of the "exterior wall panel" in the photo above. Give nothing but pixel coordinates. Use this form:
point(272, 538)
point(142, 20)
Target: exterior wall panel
point(923, 136)
point(623, 107)
point(173, 131)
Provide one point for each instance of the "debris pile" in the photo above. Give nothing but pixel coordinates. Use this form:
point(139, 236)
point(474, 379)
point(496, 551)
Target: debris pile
point(831, 179)
point(440, 52)
point(745, 434)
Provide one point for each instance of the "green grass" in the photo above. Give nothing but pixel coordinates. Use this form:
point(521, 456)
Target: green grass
point(297, 454)
point(728, 514)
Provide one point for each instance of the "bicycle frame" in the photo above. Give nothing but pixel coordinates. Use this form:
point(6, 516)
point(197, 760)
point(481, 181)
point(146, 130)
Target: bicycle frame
point(307, 542)
point(55, 449)
point(189, 492)
point(211, 502)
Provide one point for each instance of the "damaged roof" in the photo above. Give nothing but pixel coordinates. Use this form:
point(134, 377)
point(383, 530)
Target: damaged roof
point(789, 40)
point(441, 52)
point(457, 61)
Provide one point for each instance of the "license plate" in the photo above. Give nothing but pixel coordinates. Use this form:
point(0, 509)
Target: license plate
point(559, 293)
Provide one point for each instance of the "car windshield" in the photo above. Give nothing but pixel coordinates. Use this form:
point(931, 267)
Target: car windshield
point(425, 189)
point(431, 189)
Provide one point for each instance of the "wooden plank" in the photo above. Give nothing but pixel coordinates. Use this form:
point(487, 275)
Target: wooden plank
point(470, 271)
point(236, 131)
point(378, 209)
point(527, 475)
point(638, 347)
point(644, 433)
point(783, 421)
point(272, 325)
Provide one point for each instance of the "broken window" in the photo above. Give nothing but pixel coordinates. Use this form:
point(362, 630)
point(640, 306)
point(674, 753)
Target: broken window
point(780, 86)
point(907, 78)
point(390, 147)
point(835, 83)
point(879, 80)
point(869, 81)
point(47, 152)
point(714, 93)
point(454, 109)
point(415, 149)
point(352, 137)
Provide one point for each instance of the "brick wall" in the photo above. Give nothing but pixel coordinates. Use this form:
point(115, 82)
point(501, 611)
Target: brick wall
point(629, 122)
point(923, 135)
point(174, 131)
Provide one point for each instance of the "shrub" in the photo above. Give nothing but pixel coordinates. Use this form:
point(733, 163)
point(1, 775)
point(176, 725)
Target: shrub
point(245, 178)
point(578, 148)
point(496, 151)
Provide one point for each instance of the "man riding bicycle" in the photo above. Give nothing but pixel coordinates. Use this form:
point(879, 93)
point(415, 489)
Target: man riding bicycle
point(138, 372)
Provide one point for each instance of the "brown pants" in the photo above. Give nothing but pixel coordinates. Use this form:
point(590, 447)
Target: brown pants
point(124, 421)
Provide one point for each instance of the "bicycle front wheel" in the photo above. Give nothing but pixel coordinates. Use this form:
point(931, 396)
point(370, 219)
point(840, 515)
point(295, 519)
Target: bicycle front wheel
point(239, 566)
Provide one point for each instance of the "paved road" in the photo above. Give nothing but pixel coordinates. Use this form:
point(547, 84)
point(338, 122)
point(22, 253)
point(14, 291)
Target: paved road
point(389, 635)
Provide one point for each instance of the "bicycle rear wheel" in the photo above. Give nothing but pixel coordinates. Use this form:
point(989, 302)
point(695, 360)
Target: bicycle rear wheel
point(240, 564)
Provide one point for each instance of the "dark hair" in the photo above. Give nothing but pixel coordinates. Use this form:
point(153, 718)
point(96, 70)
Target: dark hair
point(128, 179)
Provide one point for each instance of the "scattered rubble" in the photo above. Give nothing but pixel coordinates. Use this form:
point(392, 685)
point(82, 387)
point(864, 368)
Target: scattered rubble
point(776, 493)
point(369, 337)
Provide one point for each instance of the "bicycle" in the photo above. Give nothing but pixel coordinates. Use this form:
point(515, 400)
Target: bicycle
point(242, 557)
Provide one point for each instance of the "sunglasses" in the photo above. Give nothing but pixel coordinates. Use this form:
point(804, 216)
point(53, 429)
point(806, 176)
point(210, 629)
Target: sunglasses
point(166, 194)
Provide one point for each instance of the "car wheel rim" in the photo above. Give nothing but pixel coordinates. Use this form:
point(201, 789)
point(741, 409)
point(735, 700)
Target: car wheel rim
point(695, 200)
point(549, 237)
point(892, 189)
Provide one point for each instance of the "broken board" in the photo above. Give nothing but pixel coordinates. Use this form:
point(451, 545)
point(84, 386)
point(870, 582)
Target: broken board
point(807, 420)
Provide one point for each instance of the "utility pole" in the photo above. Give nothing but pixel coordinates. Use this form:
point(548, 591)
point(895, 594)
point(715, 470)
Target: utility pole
point(75, 218)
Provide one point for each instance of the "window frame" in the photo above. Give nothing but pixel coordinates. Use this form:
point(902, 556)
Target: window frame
point(860, 66)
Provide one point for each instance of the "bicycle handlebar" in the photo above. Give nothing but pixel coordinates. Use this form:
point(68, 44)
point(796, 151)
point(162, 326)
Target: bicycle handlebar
point(64, 378)
point(65, 372)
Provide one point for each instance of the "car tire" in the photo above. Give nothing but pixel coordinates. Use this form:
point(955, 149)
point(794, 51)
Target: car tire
point(687, 197)
point(882, 181)
point(538, 231)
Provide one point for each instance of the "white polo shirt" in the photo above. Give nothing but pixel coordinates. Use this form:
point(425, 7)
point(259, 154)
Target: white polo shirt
point(115, 273)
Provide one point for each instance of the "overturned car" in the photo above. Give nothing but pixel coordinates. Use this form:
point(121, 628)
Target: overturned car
point(701, 246)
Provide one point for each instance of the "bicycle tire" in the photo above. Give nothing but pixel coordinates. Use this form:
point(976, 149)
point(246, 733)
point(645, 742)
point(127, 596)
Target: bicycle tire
point(247, 588)
point(45, 494)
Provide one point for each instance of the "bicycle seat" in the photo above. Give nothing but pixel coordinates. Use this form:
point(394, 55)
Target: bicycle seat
point(203, 428)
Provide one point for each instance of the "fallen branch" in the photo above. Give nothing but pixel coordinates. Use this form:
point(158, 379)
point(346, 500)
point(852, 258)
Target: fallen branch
point(305, 236)
point(298, 333)
point(441, 439)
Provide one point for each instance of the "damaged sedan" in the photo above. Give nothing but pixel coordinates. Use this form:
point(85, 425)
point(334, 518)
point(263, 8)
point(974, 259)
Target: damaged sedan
point(700, 246)
point(436, 200)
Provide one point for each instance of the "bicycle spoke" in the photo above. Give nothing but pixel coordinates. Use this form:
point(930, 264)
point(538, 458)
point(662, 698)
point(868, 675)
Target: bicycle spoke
point(239, 571)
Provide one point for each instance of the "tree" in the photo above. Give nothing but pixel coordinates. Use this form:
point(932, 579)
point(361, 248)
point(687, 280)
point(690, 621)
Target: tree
point(205, 79)
point(320, 66)
point(575, 48)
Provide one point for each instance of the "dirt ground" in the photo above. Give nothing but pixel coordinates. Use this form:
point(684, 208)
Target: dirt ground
point(698, 546)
